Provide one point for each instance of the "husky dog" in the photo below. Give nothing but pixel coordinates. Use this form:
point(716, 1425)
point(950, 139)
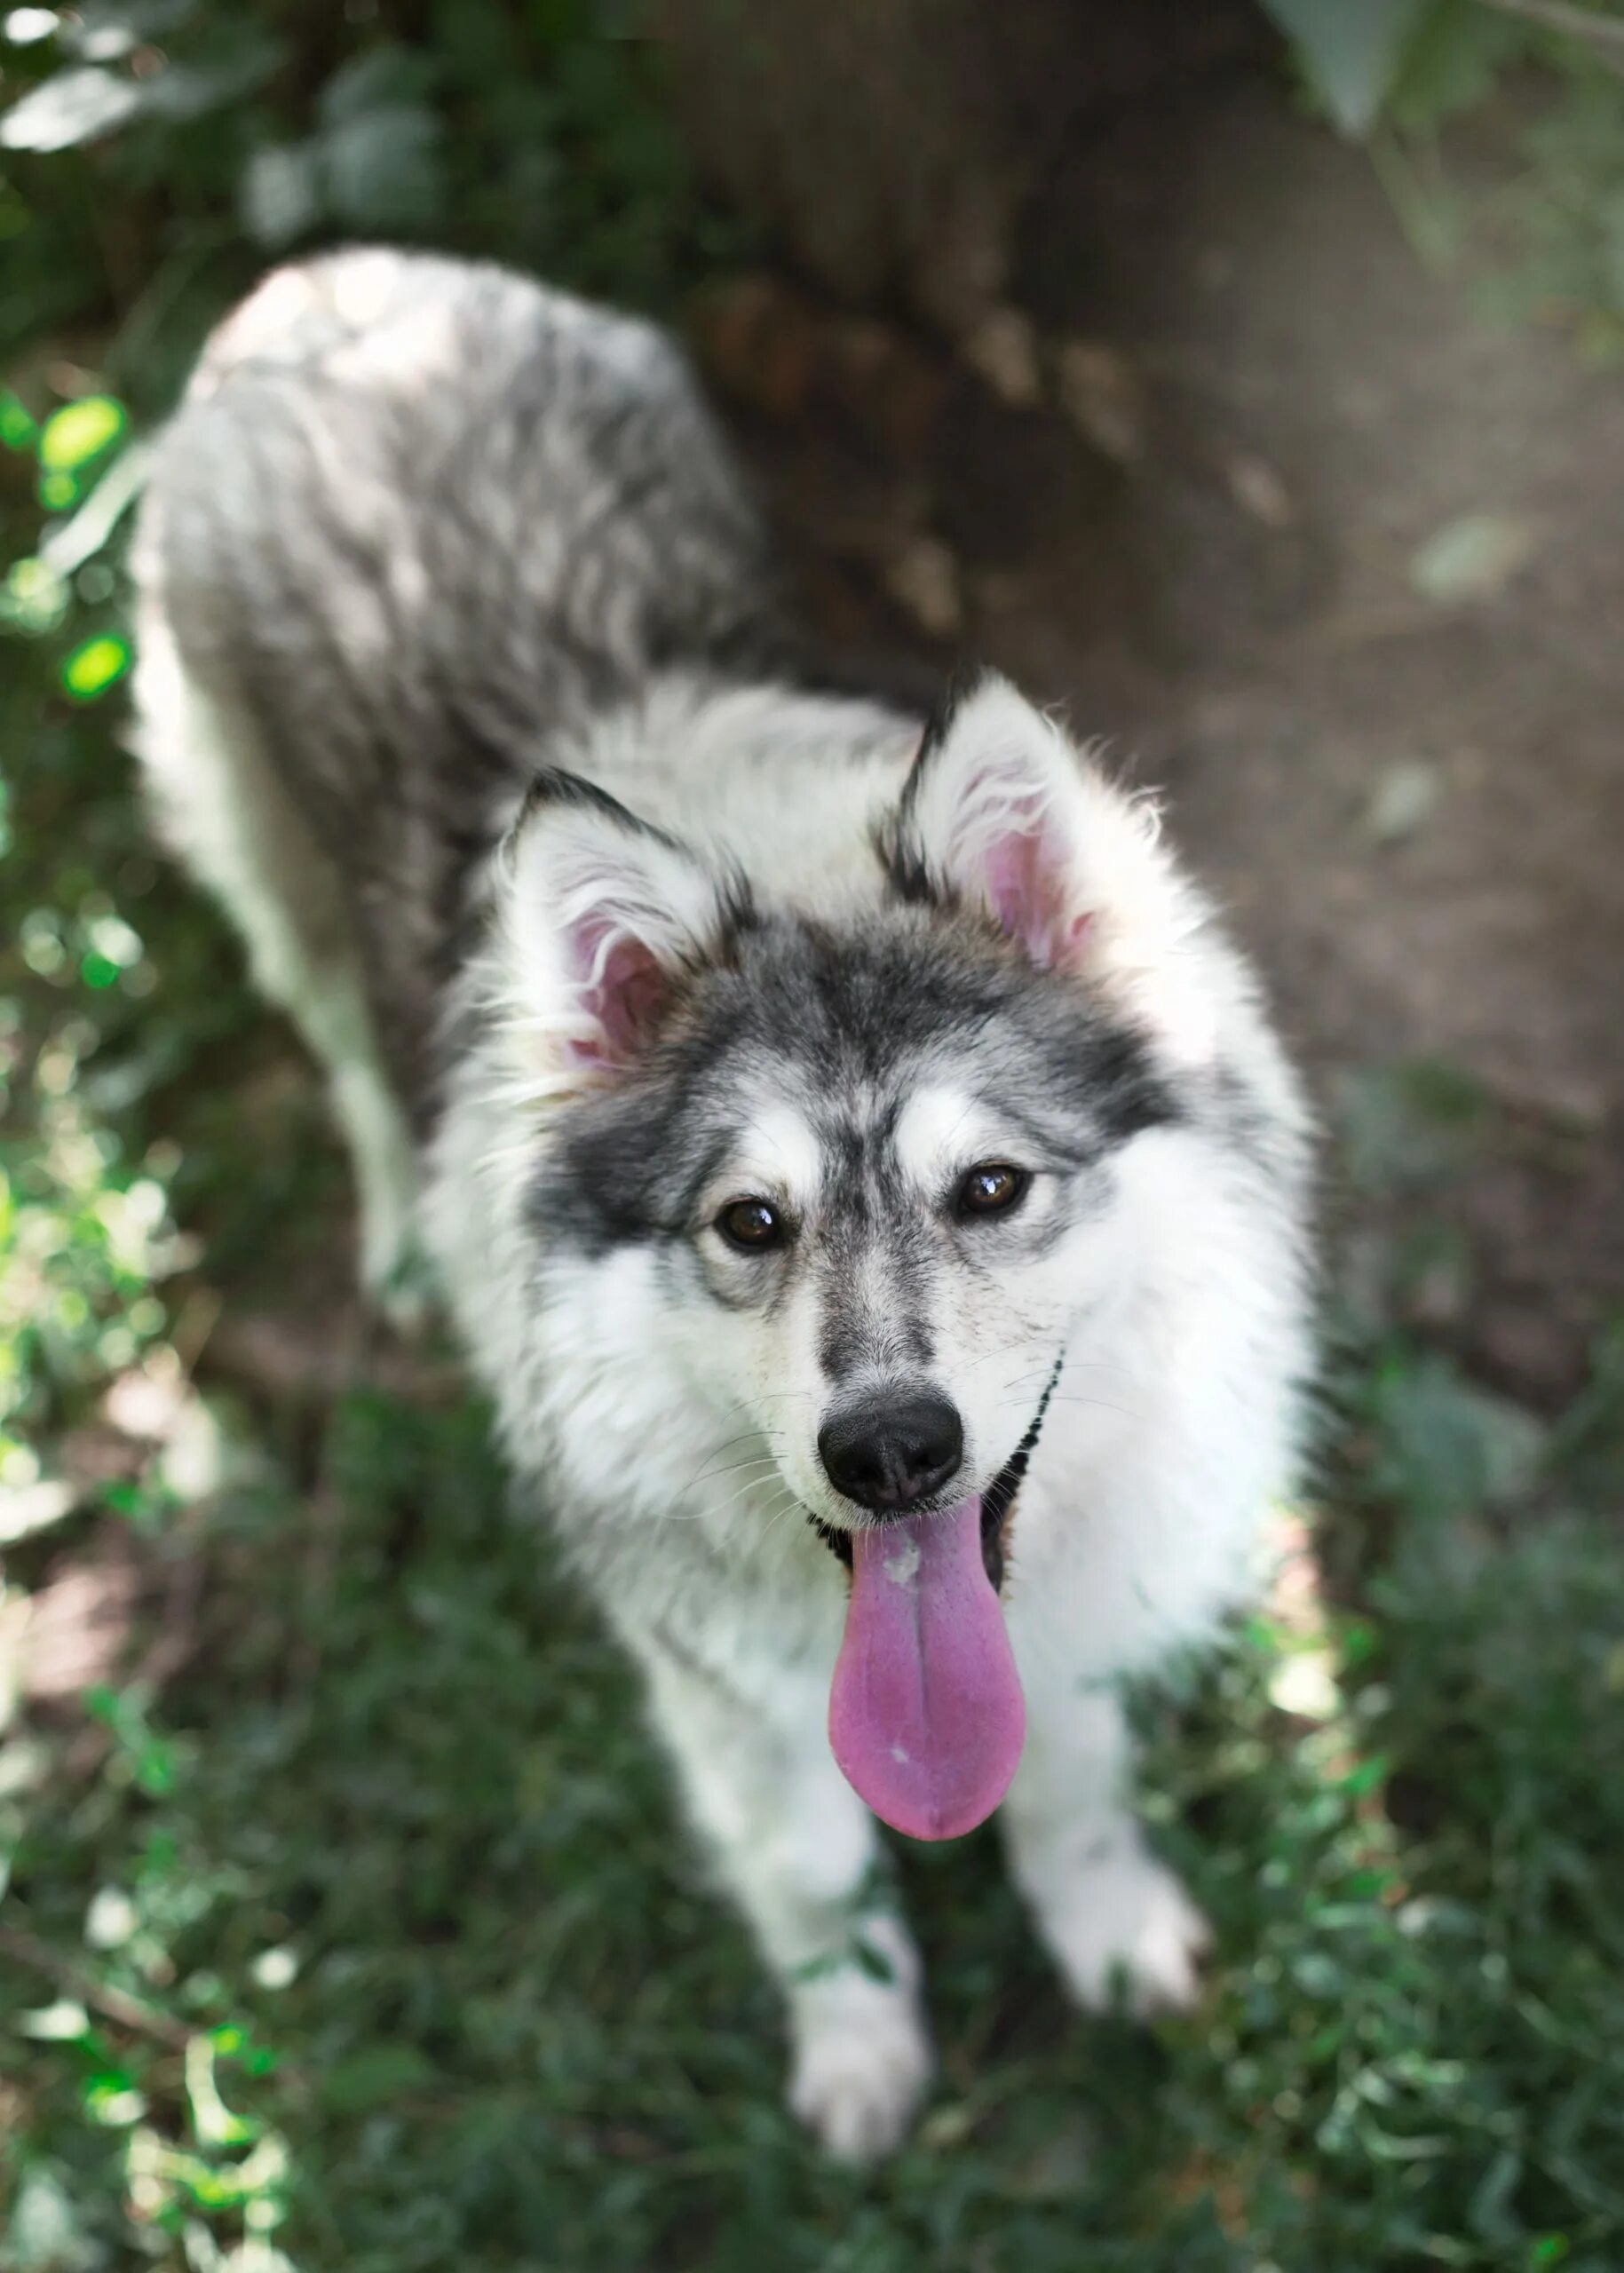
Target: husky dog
point(860, 1169)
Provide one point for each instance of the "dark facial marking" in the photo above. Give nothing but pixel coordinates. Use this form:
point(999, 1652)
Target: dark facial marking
point(909, 878)
point(999, 1498)
point(871, 1234)
point(889, 1334)
point(851, 1019)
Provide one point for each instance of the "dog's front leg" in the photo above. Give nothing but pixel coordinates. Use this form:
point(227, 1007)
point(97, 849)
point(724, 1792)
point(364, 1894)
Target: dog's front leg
point(1110, 1913)
point(799, 1851)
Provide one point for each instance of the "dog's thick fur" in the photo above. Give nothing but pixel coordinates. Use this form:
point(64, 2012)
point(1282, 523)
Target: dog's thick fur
point(461, 685)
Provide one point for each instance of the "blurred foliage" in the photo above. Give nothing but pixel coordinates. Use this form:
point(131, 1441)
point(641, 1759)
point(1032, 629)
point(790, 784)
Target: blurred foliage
point(156, 152)
point(352, 1931)
point(1417, 62)
point(1547, 242)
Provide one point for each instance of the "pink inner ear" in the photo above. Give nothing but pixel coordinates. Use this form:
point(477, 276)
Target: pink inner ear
point(622, 991)
point(1024, 874)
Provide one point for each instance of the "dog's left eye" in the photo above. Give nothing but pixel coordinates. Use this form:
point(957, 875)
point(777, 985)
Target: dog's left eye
point(992, 1189)
point(750, 1225)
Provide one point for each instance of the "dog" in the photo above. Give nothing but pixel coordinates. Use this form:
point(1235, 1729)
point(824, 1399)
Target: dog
point(862, 1172)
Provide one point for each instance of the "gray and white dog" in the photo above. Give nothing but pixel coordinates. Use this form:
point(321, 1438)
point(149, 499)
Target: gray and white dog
point(860, 1169)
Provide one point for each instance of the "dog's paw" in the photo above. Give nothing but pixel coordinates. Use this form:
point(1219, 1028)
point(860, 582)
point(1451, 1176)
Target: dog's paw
point(1130, 1930)
point(856, 2080)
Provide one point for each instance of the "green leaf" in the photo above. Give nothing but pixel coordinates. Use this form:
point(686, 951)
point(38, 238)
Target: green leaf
point(65, 2022)
point(383, 170)
point(373, 2077)
point(154, 1768)
point(18, 430)
point(216, 2124)
point(34, 598)
point(281, 194)
point(873, 1961)
point(70, 108)
point(1445, 1448)
point(112, 2100)
point(1411, 1123)
point(96, 665)
point(1351, 50)
point(25, 27)
point(89, 101)
point(1472, 557)
point(1453, 62)
point(1405, 798)
point(381, 78)
point(44, 2229)
point(184, 90)
point(81, 430)
point(102, 34)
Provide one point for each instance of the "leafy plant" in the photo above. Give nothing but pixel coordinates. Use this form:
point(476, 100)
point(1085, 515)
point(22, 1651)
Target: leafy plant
point(1352, 56)
point(1414, 62)
point(1550, 243)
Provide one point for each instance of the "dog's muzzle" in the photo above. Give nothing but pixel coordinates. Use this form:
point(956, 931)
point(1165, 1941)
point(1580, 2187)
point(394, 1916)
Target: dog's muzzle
point(997, 1502)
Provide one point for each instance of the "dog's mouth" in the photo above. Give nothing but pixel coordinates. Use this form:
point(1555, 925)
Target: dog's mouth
point(997, 1501)
point(926, 1716)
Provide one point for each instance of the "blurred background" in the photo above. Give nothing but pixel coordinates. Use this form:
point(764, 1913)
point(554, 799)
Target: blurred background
point(1248, 374)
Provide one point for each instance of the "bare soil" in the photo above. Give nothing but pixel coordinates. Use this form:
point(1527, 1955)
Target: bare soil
point(1182, 489)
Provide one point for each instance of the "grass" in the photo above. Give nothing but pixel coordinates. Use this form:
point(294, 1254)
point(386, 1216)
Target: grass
point(397, 1849)
point(396, 1866)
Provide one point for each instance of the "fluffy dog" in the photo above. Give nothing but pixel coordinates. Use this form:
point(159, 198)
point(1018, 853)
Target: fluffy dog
point(860, 1169)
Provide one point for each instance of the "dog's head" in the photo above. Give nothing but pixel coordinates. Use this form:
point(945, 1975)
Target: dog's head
point(871, 1164)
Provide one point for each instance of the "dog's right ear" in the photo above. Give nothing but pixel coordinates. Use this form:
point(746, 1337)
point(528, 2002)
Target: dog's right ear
point(1003, 817)
point(603, 916)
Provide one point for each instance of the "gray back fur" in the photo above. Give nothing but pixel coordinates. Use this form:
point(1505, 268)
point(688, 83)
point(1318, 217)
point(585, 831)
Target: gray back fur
point(438, 517)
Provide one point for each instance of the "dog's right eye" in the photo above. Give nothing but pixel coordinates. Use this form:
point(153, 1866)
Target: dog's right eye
point(993, 1189)
point(750, 1225)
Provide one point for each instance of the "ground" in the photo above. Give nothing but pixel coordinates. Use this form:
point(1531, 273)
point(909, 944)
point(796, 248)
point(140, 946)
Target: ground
point(1258, 406)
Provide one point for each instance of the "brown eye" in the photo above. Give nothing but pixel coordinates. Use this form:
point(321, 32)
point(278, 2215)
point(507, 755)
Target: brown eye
point(750, 1225)
point(993, 1189)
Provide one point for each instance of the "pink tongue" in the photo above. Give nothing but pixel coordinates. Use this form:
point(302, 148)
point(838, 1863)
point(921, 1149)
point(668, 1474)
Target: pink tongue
point(926, 1717)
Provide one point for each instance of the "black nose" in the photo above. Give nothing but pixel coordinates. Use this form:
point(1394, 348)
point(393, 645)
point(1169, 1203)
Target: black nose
point(892, 1452)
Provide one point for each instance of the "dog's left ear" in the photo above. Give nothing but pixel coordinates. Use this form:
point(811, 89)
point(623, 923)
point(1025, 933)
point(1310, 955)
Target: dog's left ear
point(1003, 815)
point(603, 916)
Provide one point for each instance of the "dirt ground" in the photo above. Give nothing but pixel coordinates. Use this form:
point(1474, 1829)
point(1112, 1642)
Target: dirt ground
point(1184, 492)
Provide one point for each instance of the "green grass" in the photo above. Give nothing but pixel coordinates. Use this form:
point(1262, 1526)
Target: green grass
point(406, 1772)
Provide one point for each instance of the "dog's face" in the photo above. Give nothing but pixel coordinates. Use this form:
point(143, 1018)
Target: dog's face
point(869, 1166)
point(872, 1168)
